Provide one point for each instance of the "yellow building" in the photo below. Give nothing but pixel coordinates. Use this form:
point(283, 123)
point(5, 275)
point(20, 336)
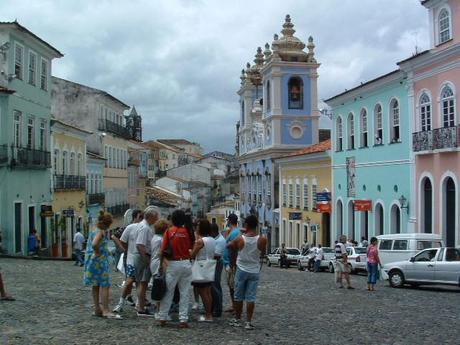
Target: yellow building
point(305, 184)
point(69, 185)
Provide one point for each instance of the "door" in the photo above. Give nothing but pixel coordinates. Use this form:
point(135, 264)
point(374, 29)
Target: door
point(448, 266)
point(450, 213)
point(326, 226)
point(43, 233)
point(18, 227)
point(423, 266)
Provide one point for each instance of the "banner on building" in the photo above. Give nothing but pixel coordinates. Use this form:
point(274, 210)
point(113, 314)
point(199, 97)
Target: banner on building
point(323, 197)
point(323, 207)
point(362, 205)
point(351, 174)
point(295, 215)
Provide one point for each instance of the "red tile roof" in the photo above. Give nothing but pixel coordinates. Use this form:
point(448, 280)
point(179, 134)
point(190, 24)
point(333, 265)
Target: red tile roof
point(320, 147)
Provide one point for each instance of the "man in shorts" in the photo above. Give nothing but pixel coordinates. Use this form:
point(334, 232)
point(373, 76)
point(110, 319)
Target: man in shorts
point(342, 268)
point(230, 257)
point(128, 241)
point(142, 259)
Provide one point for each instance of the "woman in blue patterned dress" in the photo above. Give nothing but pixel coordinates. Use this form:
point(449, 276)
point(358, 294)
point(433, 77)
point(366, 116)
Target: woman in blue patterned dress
point(96, 273)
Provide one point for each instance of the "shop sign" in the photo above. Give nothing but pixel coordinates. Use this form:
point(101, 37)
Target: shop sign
point(323, 207)
point(295, 215)
point(323, 197)
point(362, 205)
point(46, 211)
point(68, 213)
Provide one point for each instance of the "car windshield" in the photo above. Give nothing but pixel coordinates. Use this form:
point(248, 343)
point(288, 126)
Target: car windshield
point(293, 251)
point(328, 250)
point(360, 250)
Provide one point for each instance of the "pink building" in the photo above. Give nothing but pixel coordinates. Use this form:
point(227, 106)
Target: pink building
point(434, 81)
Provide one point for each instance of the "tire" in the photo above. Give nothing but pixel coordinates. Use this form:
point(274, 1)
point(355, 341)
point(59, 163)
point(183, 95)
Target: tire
point(299, 267)
point(331, 268)
point(396, 279)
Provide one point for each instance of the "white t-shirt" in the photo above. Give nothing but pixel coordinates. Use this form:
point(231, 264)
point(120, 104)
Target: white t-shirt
point(129, 236)
point(145, 235)
point(220, 245)
point(79, 239)
point(319, 254)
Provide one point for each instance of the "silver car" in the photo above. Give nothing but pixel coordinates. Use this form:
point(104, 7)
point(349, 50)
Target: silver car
point(429, 266)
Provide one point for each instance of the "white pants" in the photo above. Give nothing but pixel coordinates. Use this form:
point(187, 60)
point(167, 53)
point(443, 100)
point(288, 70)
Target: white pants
point(178, 273)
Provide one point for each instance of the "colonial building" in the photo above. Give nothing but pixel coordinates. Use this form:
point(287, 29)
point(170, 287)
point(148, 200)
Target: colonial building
point(101, 113)
point(137, 175)
point(433, 82)
point(305, 205)
point(95, 197)
point(69, 185)
point(279, 114)
point(371, 158)
point(25, 115)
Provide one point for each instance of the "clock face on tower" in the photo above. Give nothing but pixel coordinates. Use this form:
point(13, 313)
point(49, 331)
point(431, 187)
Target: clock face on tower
point(296, 129)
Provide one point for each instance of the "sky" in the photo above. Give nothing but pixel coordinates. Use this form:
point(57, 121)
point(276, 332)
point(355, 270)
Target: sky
point(179, 61)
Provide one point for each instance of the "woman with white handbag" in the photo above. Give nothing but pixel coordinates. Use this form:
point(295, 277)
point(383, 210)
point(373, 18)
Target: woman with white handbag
point(203, 269)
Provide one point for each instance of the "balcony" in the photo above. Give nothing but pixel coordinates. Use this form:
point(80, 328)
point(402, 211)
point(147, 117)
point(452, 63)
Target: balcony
point(69, 182)
point(3, 154)
point(436, 139)
point(31, 158)
point(118, 210)
point(114, 128)
point(96, 198)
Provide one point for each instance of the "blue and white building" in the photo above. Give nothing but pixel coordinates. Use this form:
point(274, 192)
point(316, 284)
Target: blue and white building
point(279, 114)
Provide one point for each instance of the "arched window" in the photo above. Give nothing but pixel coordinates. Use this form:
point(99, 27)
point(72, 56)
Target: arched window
point(351, 131)
point(379, 219)
point(444, 26)
point(394, 121)
point(65, 167)
point(449, 213)
point(295, 93)
point(80, 171)
point(427, 206)
point(425, 112)
point(351, 220)
point(363, 123)
point(395, 219)
point(447, 107)
point(339, 130)
point(56, 162)
point(378, 125)
point(268, 96)
point(242, 113)
point(72, 163)
point(339, 218)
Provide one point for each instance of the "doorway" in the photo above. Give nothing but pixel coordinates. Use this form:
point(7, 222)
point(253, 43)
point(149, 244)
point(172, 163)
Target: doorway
point(450, 210)
point(18, 227)
point(326, 226)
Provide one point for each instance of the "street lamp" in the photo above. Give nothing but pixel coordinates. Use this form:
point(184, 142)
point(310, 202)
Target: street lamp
point(403, 202)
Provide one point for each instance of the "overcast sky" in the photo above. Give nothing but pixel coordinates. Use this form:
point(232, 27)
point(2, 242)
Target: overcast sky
point(179, 61)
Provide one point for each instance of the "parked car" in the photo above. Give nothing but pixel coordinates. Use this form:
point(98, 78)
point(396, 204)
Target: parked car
point(430, 266)
point(357, 259)
point(274, 257)
point(400, 247)
point(306, 261)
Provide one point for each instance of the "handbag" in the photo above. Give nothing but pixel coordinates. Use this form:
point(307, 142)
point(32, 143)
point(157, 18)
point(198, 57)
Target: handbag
point(158, 286)
point(383, 275)
point(203, 271)
point(121, 264)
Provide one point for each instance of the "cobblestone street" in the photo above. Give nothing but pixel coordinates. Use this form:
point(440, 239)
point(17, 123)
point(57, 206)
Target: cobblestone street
point(294, 307)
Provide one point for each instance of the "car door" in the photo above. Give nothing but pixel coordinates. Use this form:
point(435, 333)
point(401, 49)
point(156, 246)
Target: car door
point(422, 267)
point(448, 267)
point(275, 259)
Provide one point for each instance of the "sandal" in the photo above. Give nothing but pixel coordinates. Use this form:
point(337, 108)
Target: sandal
point(112, 316)
point(204, 319)
point(8, 298)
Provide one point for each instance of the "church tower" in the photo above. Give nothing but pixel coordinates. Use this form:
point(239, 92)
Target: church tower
point(134, 124)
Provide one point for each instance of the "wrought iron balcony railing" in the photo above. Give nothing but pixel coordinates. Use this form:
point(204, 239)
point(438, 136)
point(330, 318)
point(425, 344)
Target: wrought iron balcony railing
point(436, 139)
point(96, 198)
point(31, 158)
point(114, 128)
point(69, 182)
point(3, 154)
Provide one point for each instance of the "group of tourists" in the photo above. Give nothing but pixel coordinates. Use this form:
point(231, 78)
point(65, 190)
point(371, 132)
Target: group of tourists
point(186, 256)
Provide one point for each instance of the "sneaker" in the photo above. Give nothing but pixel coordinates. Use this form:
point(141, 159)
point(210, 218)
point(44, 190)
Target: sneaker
point(145, 313)
point(118, 308)
point(157, 316)
point(130, 301)
point(195, 306)
point(235, 322)
point(249, 326)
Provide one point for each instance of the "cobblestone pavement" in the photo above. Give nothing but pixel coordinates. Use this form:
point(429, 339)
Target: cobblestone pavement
point(294, 307)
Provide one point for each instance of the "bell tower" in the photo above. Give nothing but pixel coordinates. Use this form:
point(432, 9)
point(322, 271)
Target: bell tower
point(134, 124)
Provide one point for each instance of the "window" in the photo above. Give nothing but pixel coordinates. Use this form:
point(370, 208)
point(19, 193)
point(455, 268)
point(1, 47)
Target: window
point(56, 162)
point(44, 75)
point(444, 26)
point(378, 125)
point(17, 129)
point(30, 133)
point(305, 194)
point(284, 194)
point(400, 245)
point(363, 123)
point(447, 107)
point(314, 196)
point(351, 132)
point(428, 244)
point(42, 135)
point(106, 156)
point(394, 121)
point(18, 60)
point(295, 93)
point(32, 68)
point(395, 220)
point(65, 167)
point(80, 171)
point(268, 96)
point(425, 112)
point(339, 130)
point(72, 164)
point(297, 193)
point(426, 255)
point(452, 254)
point(385, 244)
point(291, 194)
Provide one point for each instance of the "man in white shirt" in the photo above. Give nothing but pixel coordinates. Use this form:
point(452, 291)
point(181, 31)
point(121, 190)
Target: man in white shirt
point(142, 258)
point(78, 242)
point(342, 268)
point(318, 257)
point(128, 241)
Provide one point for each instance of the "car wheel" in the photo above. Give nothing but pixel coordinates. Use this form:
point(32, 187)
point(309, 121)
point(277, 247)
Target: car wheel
point(299, 266)
point(396, 279)
point(331, 268)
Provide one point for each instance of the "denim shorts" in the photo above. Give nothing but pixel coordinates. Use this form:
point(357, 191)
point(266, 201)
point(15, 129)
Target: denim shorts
point(246, 286)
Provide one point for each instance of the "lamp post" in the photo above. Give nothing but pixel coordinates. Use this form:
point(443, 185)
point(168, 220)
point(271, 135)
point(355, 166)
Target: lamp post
point(403, 202)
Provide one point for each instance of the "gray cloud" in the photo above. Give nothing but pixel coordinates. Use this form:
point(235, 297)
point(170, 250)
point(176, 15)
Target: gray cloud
point(179, 61)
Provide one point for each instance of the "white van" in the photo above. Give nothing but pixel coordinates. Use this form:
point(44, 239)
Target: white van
point(399, 247)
